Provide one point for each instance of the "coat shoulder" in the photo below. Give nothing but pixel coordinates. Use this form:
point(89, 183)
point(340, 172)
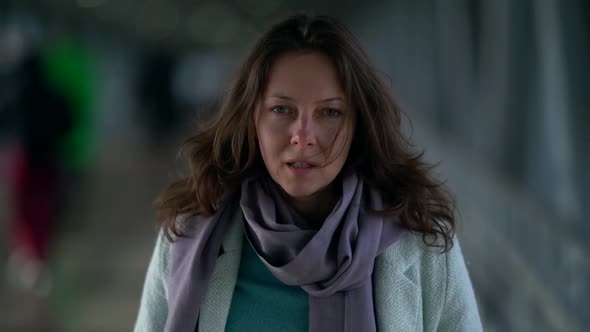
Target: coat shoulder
point(436, 282)
point(409, 250)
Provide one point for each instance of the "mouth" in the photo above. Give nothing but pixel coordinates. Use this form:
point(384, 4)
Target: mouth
point(301, 167)
point(301, 164)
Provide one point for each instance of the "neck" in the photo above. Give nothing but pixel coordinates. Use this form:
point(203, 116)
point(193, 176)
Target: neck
point(316, 207)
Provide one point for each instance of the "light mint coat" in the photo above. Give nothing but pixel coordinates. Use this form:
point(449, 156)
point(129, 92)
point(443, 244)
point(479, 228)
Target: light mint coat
point(415, 288)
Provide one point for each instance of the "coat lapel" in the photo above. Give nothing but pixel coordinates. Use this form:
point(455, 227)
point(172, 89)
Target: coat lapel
point(217, 301)
point(397, 292)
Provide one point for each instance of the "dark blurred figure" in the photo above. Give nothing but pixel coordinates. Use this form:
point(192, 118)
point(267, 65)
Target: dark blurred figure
point(44, 118)
point(157, 107)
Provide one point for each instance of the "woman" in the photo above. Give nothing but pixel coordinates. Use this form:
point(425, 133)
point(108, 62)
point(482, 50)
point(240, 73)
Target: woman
point(304, 208)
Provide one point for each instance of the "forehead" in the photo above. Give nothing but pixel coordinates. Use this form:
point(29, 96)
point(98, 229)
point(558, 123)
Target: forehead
point(304, 76)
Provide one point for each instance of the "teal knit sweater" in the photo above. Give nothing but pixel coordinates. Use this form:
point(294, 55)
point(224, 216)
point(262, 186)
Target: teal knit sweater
point(261, 302)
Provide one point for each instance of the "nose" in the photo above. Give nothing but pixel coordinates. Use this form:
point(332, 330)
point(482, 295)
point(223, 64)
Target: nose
point(303, 133)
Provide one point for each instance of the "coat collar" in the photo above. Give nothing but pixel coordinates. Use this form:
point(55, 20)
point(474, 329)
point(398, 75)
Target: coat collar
point(217, 301)
point(396, 287)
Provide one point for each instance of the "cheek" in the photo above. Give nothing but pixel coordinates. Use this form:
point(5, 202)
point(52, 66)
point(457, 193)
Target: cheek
point(269, 143)
point(273, 126)
point(340, 145)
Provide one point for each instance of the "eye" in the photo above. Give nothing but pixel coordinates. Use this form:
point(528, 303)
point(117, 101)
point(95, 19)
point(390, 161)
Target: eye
point(332, 112)
point(280, 109)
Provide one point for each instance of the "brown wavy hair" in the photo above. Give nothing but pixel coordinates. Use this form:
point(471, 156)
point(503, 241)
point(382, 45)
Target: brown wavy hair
point(225, 151)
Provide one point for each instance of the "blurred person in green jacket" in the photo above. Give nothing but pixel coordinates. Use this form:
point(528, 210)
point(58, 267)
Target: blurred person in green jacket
point(71, 69)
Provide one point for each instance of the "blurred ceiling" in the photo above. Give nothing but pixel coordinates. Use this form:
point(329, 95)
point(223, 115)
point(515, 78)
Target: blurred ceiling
point(177, 23)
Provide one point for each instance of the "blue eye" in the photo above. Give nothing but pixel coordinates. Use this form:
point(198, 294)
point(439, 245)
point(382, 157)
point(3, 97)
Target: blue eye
point(280, 109)
point(332, 112)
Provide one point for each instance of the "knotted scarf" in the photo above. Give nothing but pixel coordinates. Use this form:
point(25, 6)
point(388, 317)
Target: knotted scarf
point(333, 263)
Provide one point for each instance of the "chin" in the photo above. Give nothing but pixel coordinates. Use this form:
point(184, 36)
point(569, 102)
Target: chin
point(298, 191)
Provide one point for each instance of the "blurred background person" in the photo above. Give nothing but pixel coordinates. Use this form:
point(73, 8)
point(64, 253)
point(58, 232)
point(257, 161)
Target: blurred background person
point(35, 175)
point(72, 71)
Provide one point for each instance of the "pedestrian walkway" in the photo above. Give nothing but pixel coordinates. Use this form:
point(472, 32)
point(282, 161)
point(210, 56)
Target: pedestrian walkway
point(103, 248)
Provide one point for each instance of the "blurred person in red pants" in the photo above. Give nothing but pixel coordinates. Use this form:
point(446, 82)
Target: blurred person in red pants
point(44, 118)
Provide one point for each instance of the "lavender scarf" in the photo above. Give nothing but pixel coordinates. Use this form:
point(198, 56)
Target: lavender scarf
point(333, 264)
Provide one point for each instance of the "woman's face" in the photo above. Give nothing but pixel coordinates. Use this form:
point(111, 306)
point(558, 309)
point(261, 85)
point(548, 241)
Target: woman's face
point(301, 122)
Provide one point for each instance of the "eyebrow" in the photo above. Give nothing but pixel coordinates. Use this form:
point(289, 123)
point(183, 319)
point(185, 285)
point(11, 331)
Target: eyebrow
point(280, 96)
